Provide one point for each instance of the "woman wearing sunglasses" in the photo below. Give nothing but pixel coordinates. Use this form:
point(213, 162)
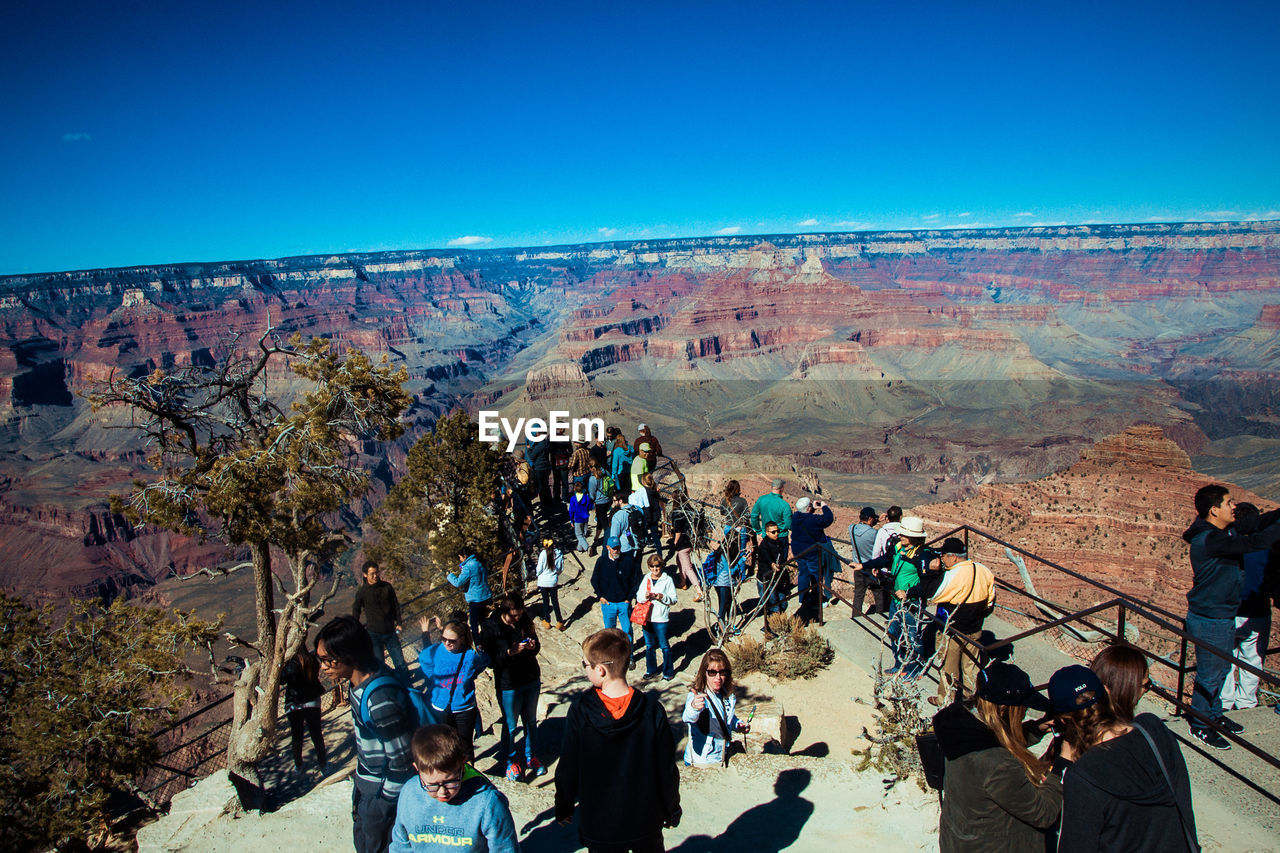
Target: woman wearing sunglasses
point(709, 711)
point(450, 668)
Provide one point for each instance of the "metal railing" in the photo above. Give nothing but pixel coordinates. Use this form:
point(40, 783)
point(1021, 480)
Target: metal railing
point(1126, 608)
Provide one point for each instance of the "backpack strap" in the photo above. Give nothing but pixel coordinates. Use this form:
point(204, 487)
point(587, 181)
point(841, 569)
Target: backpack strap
point(377, 681)
point(719, 714)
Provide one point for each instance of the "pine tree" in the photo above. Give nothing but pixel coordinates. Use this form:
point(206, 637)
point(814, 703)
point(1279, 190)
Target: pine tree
point(239, 462)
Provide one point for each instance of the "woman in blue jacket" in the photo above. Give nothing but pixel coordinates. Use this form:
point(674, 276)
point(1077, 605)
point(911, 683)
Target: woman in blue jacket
point(473, 580)
point(450, 668)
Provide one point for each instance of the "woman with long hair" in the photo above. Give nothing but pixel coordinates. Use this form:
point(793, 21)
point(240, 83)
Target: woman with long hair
point(997, 795)
point(449, 668)
point(1122, 669)
point(512, 645)
point(302, 694)
point(1128, 789)
point(709, 711)
point(550, 565)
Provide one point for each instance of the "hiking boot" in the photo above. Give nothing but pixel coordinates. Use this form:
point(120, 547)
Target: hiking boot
point(1229, 726)
point(536, 768)
point(514, 772)
point(559, 626)
point(546, 624)
point(1210, 738)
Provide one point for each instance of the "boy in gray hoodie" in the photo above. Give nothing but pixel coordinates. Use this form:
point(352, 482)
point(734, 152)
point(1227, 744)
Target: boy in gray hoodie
point(453, 805)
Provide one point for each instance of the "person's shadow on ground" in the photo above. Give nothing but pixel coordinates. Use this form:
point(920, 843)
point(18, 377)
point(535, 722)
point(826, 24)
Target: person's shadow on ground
point(766, 828)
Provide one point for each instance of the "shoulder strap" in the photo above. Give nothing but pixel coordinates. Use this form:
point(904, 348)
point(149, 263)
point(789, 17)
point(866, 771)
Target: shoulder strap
point(376, 681)
point(719, 714)
point(1190, 836)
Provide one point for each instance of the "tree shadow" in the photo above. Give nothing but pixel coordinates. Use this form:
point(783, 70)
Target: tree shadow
point(767, 828)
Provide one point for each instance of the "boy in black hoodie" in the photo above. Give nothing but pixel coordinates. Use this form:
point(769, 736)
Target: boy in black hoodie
point(618, 760)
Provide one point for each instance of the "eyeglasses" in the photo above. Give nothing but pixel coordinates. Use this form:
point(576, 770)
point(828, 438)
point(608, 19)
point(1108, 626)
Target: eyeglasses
point(449, 641)
point(771, 533)
point(586, 665)
point(448, 785)
point(714, 672)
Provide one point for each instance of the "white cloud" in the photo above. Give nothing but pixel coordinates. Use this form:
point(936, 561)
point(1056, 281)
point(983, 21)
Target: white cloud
point(1025, 213)
point(607, 232)
point(807, 223)
point(854, 224)
point(966, 213)
point(77, 137)
point(931, 216)
point(1222, 214)
point(470, 240)
point(726, 232)
point(1271, 214)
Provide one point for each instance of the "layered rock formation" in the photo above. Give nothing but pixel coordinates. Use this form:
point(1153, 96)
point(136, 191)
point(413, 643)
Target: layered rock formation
point(921, 363)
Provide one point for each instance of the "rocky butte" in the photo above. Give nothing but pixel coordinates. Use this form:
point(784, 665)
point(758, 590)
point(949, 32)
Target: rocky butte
point(894, 366)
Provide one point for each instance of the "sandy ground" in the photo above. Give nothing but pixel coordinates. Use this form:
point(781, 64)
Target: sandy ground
point(810, 799)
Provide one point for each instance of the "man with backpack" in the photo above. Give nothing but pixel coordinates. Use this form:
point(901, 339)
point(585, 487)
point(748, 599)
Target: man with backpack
point(600, 488)
point(863, 536)
point(385, 718)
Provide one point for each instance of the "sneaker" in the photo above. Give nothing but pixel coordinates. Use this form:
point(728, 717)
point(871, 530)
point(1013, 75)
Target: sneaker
point(1229, 726)
point(893, 670)
point(536, 768)
point(1210, 738)
point(514, 772)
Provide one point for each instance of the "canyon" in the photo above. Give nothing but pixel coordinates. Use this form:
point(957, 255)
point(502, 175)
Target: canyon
point(911, 367)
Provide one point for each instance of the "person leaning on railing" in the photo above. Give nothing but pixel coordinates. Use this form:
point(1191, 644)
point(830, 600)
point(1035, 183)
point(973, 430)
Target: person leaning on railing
point(1216, 550)
point(965, 598)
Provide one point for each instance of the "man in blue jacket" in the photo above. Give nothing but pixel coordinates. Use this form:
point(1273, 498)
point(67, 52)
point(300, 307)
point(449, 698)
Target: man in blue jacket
point(807, 535)
point(1216, 550)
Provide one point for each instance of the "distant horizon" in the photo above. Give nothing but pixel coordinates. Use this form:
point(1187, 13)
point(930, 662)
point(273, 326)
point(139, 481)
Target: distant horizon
point(464, 250)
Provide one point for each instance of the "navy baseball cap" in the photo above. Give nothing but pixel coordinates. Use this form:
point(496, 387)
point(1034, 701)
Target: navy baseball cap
point(1071, 686)
point(1005, 684)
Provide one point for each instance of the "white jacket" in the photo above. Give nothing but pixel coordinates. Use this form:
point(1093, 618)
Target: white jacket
point(661, 610)
point(548, 572)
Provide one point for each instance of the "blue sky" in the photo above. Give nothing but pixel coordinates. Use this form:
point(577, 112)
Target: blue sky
point(141, 133)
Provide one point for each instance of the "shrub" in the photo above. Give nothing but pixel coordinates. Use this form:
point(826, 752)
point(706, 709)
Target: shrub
point(795, 651)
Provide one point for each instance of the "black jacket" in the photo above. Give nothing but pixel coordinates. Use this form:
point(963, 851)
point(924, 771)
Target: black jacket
point(770, 553)
point(621, 773)
point(538, 455)
point(615, 580)
point(1217, 571)
point(1117, 799)
point(510, 671)
point(380, 606)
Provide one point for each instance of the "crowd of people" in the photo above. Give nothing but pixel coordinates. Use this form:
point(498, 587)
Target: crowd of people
point(1107, 778)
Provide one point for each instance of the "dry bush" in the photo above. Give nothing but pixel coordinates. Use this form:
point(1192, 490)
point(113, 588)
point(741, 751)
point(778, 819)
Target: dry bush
point(796, 650)
point(892, 749)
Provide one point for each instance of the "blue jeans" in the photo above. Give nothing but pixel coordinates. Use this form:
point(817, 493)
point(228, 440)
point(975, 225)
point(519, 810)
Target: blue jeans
point(724, 595)
point(391, 643)
point(774, 603)
point(904, 637)
point(519, 706)
point(655, 637)
point(617, 614)
point(1211, 670)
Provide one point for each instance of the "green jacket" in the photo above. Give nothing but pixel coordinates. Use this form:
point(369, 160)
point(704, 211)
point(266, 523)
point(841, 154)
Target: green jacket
point(771, 507)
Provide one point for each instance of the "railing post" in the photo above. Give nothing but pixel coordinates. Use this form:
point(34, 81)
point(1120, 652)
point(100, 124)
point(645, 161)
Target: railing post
point(1182, 675)
point(1120, 623)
